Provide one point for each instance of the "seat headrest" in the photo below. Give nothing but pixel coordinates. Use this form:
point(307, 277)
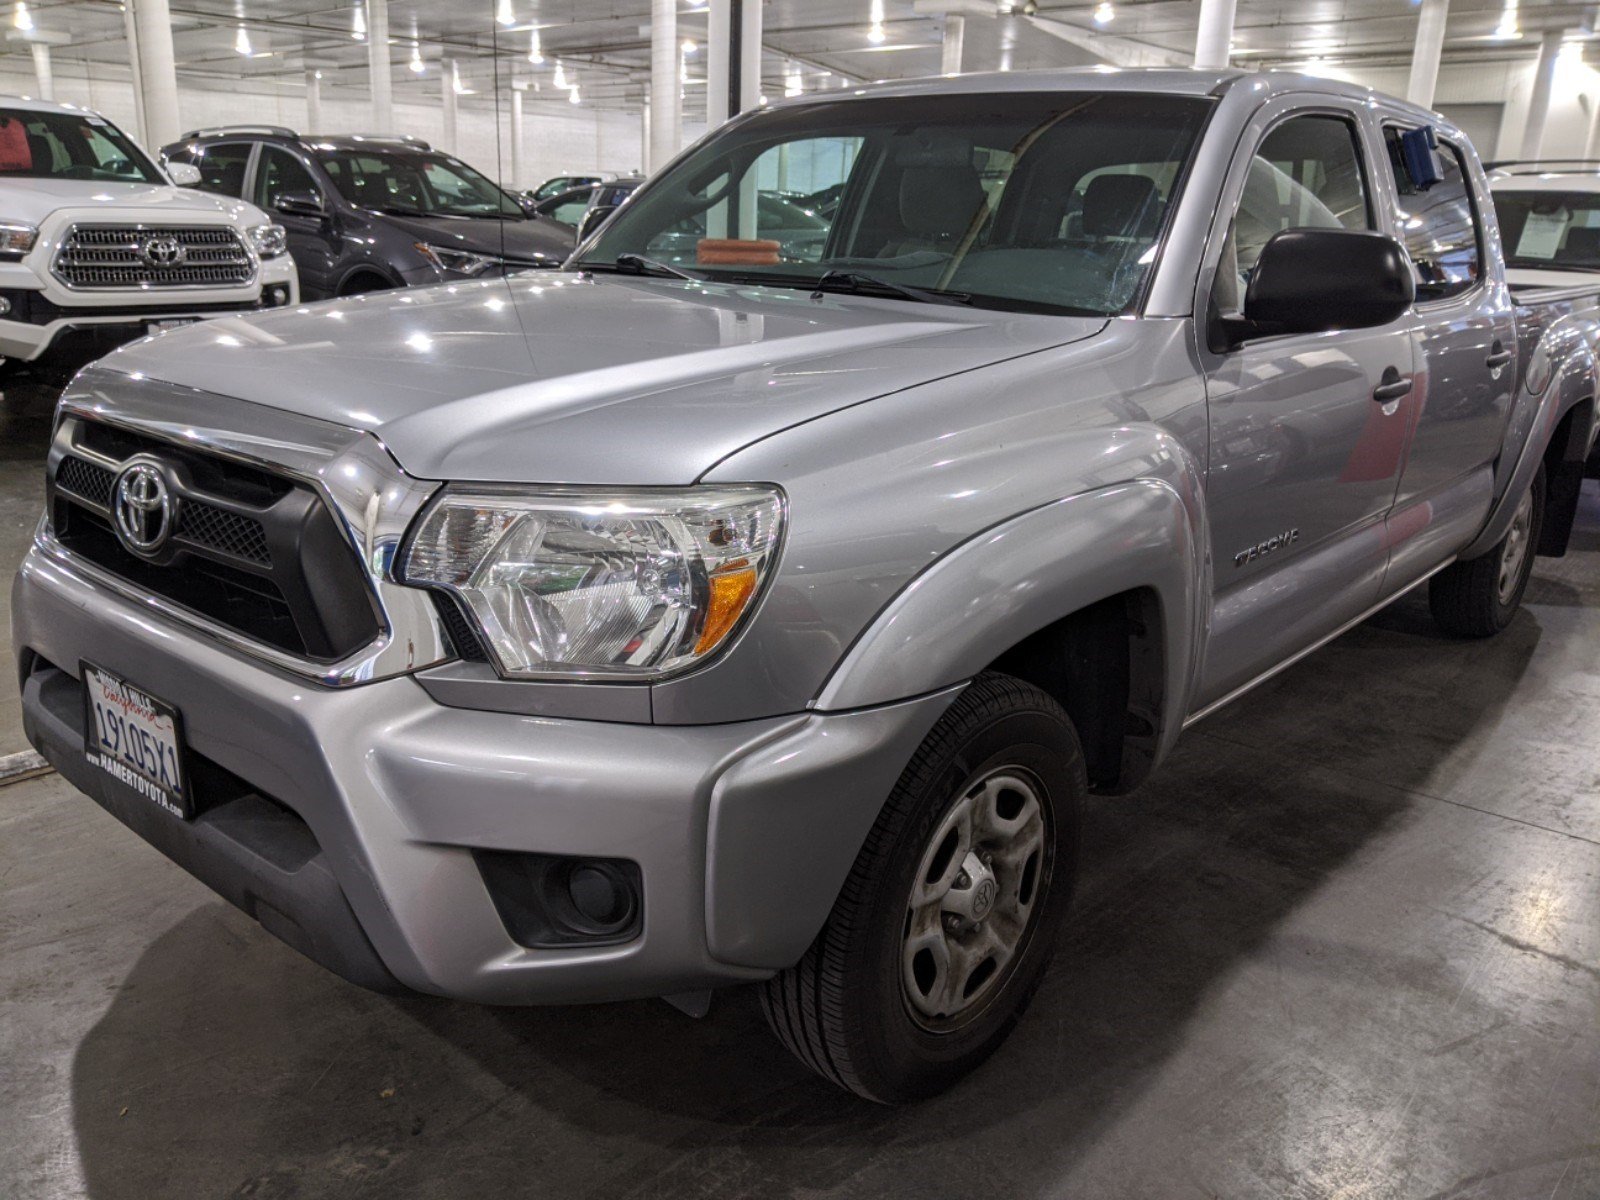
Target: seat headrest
point(940, 201)
point(1120, 206)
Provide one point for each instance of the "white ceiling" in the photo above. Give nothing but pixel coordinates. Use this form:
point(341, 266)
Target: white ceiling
point(605, 42)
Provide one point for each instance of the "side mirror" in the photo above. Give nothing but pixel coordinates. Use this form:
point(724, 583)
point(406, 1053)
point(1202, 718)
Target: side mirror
point(184, 174)
point(1313, 280)
point(593, 219)
point(299, 204)
point(529, 206)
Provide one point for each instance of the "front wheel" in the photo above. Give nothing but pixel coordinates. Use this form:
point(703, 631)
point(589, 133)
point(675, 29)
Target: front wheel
point(1478, 598)
point(947, 920)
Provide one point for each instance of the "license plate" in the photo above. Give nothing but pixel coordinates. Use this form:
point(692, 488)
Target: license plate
point(155, 327)
point(135, 738)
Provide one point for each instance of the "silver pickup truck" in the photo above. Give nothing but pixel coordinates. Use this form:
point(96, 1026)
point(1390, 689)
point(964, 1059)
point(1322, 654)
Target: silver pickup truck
point(721, 610)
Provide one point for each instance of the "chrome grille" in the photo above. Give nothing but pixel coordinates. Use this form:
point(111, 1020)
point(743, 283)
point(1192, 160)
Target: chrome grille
point(153, 256)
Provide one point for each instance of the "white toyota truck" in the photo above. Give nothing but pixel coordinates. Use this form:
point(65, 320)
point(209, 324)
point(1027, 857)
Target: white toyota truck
point(98, 244)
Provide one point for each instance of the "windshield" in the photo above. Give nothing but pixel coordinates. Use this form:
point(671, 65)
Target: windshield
point(49, 145)
point(413, 183)
point(1551, 231)
point(1048, 202)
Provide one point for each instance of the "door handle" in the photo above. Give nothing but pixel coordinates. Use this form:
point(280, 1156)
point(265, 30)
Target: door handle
point(1499, 356)
point(1391, 388)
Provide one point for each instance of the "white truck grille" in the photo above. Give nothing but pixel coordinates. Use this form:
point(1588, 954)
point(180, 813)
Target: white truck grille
point(106, 257)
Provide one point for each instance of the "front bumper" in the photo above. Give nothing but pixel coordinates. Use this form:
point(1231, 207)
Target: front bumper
point(743, 833)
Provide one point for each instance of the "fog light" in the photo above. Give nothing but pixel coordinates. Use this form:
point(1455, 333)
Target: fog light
point(5, 306)
point(548, 900)
point(600, 895)
point(277, 295)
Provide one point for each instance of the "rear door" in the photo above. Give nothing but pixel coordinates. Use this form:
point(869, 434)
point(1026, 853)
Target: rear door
point(1304, 460)
point(1466, 358)
point(313, 241)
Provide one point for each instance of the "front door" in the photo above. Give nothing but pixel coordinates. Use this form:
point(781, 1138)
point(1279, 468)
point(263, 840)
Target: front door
point(1307, 435)
point(312, 240)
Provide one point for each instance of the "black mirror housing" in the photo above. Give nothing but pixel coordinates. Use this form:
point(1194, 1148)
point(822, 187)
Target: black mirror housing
point(1313, 280)
point(299, 204)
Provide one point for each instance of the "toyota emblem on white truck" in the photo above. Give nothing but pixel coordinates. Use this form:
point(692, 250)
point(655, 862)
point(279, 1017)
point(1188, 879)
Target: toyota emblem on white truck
point(165, 252)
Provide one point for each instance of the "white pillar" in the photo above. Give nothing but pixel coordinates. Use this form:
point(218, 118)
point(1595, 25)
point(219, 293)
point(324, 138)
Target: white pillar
point(41, 68)
point(516, 137)
point(750, 55)
point(158, 71)
point(1544, 76)
point(666, 102)
point(313, 103)
point(131, 33)
point(1215, 34)
point(1425, 58)
point(719, 53)
point(955, 34)
point(378, 65)
point(1591, 144)
point(448, 82)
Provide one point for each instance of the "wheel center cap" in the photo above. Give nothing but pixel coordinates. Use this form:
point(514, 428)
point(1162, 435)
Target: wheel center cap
point(983, 898)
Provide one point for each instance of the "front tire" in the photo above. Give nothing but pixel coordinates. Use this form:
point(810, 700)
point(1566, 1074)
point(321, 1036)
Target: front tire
point(946, 922)
point(1478, 598)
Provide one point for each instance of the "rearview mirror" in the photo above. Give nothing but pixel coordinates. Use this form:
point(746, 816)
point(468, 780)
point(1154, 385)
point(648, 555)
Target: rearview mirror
point(184, 174)
point(299, 204)
point(1313, 280)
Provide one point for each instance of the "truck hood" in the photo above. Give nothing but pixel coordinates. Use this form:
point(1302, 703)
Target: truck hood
point(567, 378)
point(32, 200)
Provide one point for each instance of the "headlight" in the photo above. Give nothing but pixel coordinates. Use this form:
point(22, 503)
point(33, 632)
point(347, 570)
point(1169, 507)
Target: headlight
point(458, 262)
point(269, 240)
point(16, 239)
point(617, 584)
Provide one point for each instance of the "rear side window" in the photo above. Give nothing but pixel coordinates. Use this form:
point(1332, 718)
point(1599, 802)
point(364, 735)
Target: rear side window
point(1440, 225)
point(222, 168)
point(1307, 174)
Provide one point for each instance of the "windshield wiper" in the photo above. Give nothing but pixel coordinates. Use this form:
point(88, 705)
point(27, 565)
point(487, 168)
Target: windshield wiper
point(644, 266)
point(856, 281)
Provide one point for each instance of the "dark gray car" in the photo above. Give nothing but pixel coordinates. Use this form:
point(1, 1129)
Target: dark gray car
point(365, 213)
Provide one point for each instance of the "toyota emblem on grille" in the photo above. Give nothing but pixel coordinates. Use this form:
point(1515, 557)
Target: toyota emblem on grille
point(165, 252)
point(142, 508)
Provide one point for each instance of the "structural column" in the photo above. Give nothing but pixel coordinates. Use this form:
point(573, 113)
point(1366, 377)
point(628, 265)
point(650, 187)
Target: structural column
point(41, 68)
point(448, 75)
point(720, 52)
point(749, 14)
point(666, 102)
point(378, 65)
point(955, 35)
point(132, 35)
point(1425, 58)
point(158, 71)
point(1215, 35)
point(314, 102)
point(1544, 77)
point(516, 136)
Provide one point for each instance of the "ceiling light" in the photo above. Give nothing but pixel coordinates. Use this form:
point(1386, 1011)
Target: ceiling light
point(875, 33)
point(358, 23)
point(1507, 30)
point(22, 18)
point(455, 79)
point(417, 64)
point(503, 13)
point(573, 96)
point(535, 49)
point(1105, 14)
point(241, 42)
point(560, 77)
point(689, 46)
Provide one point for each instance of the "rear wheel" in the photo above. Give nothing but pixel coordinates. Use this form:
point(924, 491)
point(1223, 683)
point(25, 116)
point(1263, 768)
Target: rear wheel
point(945, 925)
point(1479, 597)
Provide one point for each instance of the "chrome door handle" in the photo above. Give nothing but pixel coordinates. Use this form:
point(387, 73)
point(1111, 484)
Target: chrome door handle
point(1392, 388)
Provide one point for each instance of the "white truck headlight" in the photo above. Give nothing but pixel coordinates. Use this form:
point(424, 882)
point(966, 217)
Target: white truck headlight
point(459, 262)
point(270, 241)
point(620, 584)
point(16, 239)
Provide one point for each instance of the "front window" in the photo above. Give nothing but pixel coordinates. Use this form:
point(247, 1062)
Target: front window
point(415, 184)
point(1041, 202)
point(1550, 230)
point(52, 145)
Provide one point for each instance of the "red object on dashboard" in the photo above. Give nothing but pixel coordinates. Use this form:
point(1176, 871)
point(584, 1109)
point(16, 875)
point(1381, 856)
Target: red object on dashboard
point(15, 153)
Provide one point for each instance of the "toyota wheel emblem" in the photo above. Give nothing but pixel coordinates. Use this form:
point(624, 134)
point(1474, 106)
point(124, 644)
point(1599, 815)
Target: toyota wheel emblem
point(142, 508)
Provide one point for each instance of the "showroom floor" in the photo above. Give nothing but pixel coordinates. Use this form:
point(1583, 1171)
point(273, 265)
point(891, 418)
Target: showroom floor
point(1347, 945)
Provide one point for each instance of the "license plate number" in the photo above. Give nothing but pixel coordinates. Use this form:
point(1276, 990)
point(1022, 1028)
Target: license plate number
point(135, 738)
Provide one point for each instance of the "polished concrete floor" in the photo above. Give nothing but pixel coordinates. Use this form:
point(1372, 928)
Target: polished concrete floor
point(1346, 946)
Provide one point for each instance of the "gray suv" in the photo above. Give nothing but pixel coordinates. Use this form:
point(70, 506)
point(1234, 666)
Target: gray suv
point(365, 212)
point(723, 610)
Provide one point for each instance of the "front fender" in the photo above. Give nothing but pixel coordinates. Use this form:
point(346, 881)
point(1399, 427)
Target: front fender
point(1014, 579)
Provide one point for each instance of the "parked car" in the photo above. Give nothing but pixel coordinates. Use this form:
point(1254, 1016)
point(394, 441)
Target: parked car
point(98, 246)
point(561, 183)
point(365, 213)
point(641, 628)
point(1549, 214)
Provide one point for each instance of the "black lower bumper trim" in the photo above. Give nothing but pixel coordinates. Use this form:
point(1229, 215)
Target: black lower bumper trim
point(253, 852)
